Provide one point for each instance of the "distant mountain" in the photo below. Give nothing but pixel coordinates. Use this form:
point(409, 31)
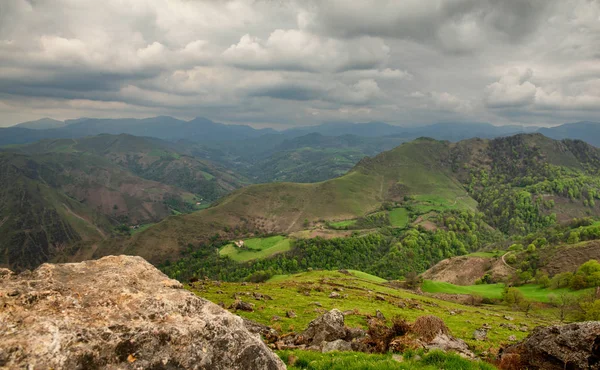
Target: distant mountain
point(166, 128)
point(586, 131)
point(42, 124)
point(451, 131)
point(369, 129)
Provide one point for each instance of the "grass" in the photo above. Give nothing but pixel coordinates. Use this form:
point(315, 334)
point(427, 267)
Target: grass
point(257, 248)
point(141, 228)
point(494, 291)
point(207, 176)
point(289, 292)
point(362, 361)
point(483, 254)
point(344, 223)
point(399, 217)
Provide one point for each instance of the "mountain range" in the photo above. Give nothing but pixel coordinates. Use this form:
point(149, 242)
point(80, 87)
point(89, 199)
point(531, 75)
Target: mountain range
point(202, 130)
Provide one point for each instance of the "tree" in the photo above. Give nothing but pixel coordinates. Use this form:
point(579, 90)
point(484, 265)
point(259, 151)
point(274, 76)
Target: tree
point(564, 304)
point(577, 282)
point(542, 279)
point(413, 280)
point(513, 297)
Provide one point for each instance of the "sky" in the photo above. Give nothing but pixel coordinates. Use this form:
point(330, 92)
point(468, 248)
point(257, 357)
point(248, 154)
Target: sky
point(285, 63)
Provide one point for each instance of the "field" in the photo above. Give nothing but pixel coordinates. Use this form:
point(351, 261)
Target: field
point(494, 291)
point(399, 217)
point(257, 248)
point(308, 295)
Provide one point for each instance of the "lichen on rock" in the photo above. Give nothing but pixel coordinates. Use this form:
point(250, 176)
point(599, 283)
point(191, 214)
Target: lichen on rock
point(118, 312)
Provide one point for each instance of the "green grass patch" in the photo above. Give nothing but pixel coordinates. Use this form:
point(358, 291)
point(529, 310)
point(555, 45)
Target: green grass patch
point(435, 360)
point(494, 291)
point(207, 176)
point(483, 254)
point(399, 217)
point(257, 248)
point(344, 223)
point(368, 277)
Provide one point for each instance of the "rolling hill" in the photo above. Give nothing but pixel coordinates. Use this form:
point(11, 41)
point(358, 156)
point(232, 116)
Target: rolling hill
point(58, 196)
point(151, 159)
point(520, 183)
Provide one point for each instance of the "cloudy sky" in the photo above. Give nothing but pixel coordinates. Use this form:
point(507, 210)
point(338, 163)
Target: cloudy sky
point(281, 63)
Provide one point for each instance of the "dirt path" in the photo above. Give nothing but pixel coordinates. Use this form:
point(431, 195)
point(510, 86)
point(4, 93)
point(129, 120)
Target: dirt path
point(507, 265)
point(83, 219)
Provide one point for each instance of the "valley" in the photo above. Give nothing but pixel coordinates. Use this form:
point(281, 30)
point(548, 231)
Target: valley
point(481, 228)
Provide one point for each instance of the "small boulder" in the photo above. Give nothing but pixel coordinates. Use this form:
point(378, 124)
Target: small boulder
point(242, 306)
point(290, 314)
point(335, 295)
point(337, 345)
point(480, 334)
point(379, 298)
point(326, 328)
point(379, 315)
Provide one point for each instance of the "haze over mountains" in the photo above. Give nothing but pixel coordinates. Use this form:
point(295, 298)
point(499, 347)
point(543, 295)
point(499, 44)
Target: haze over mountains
point(203, 130)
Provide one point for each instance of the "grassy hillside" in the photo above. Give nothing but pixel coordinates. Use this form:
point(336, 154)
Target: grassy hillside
point(55, 202)
point(299, 293)
point(151, 159)
point(39, 222)
point(414, 168)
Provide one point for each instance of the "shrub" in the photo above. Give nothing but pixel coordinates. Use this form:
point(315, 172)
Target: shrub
point(510, 361)
point(542, 279)
point(428, 327)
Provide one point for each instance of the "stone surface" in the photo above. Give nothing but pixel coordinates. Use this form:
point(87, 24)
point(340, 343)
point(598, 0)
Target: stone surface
point(480, 334)
point(448, 343)
point(118, 313)
point(572, 346)
point(326, 328)
point(337, 345)
point(335, 295)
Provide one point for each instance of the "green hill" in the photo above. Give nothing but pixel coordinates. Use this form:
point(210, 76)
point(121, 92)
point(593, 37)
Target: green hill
point(414, 168)
point(151, 159)
point(520, 183)
point(54, 201)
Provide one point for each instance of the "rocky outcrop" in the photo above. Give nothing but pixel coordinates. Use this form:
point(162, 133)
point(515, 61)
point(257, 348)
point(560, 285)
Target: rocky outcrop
point(118, 313)
point(326, 328)
point(572, 346)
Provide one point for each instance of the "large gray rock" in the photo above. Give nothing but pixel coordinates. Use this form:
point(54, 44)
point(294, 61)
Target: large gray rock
point(118, 313)
point(326, 328)
point(572, 346)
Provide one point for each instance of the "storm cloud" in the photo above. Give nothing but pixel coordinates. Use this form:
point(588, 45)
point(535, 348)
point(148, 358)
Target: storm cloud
point(283, 63)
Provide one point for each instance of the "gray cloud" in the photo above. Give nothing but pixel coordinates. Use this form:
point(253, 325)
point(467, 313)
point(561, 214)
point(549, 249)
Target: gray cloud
point(295, 62)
